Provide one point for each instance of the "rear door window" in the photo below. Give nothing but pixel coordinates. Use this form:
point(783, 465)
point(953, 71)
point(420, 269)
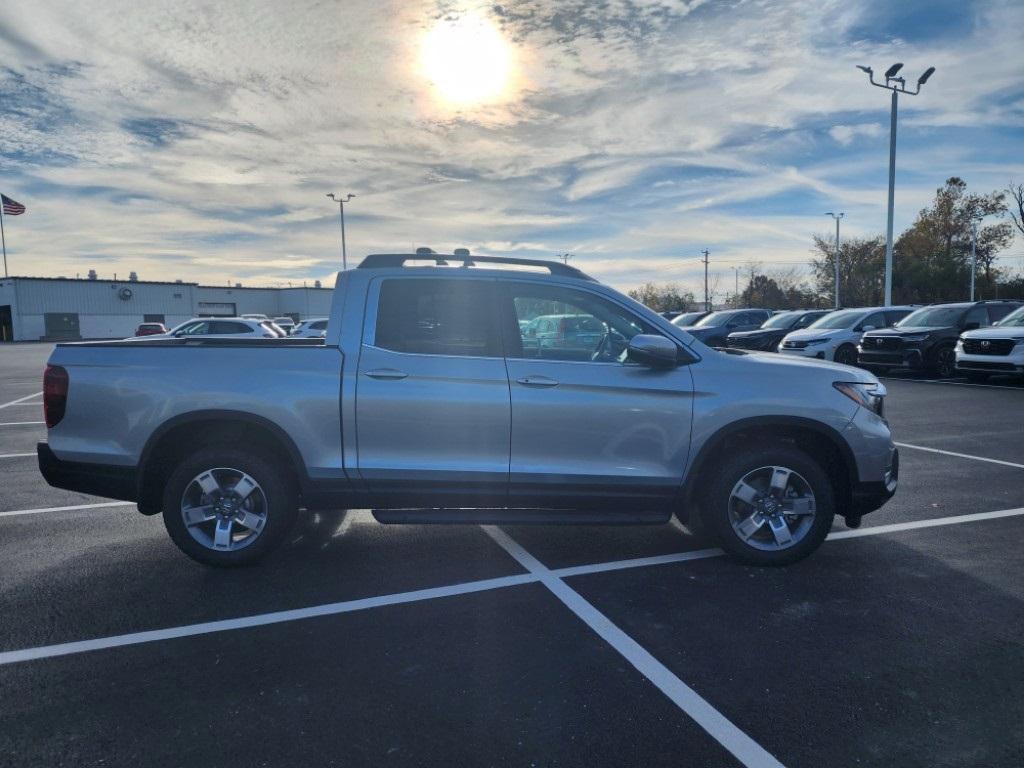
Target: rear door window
point(997, 312)
point(444, 316)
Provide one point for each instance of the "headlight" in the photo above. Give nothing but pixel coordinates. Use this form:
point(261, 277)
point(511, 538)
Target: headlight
point(916, 337)
point(818, 341)
point(870, 396)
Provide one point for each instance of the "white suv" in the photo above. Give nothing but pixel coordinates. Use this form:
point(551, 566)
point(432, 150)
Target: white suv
point(836, 335)
point(993, 350)
point(313, 328)
point(219, 328)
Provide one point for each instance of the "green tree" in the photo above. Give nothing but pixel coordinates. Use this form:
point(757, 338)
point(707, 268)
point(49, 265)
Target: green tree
point(861, 270)
point(663, 298)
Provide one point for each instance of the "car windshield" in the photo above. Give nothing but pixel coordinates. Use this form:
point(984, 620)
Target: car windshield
point(782, 320)
point(716, 319)
point(840, 319)
point(1015, 318)
point(687, 318)
point(933, 317)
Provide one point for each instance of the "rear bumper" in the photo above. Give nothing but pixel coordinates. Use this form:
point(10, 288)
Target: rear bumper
point(107, 480)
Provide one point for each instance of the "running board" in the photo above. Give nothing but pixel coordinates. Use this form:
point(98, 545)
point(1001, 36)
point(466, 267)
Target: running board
point(522, 516)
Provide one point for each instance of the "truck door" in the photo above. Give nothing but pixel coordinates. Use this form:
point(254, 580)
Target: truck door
point(588, 427)
point(432, 396)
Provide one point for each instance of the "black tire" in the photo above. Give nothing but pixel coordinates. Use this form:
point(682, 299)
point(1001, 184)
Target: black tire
point(976, 378)
point(717, 515)
point(846, 354)
point(943, 363)
point(279, 504)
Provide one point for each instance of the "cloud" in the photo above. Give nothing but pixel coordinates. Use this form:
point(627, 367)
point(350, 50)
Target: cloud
point(199, 143)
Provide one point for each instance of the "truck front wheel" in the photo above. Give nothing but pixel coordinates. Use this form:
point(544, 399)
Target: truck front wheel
point(769, 506)
point(225, 506)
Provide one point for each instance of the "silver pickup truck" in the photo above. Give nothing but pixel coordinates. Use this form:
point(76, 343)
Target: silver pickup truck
point(434, 398)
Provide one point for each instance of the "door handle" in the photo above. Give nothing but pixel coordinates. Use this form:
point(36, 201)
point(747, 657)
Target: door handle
point(386, 373)
point(537, 381)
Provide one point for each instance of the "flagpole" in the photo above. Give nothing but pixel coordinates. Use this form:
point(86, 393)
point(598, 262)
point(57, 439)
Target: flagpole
point(3, 238)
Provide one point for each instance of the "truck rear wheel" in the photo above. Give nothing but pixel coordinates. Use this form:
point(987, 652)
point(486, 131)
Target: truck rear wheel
point(769, 506)
point(225, 506)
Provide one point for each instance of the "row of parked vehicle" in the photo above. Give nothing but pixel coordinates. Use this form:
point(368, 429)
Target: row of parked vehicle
point(975, 339)
point(247, 326)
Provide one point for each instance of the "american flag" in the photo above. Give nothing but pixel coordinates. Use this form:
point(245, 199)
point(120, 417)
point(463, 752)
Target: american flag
point(11, 207)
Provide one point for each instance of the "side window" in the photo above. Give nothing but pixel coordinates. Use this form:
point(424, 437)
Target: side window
point(875, 320)
point(997, 312)
point(198, 329)
point(582, 327)
point(444, 316)
point(223, 328)
point(977, 314)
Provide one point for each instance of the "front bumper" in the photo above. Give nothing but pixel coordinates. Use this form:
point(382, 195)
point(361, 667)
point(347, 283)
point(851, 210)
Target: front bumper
point(869, 496)
point(107, 480)
point(814, 352)
point(910, 358)
point(1009, 364)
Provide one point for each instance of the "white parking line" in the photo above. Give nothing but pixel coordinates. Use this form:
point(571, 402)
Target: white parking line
point(19, 423)
point(15, 512)
point(718, 726)
point(188, 630)
point(15, 455)
point(21, 400)
point(960, 455)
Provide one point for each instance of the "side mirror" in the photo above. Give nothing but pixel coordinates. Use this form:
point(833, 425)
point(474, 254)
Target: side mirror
point(653, 351)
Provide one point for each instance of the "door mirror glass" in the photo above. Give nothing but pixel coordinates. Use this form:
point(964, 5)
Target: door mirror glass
point(653, 351)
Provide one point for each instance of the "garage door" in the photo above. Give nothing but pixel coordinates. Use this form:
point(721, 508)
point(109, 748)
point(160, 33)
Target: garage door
point(61, 326)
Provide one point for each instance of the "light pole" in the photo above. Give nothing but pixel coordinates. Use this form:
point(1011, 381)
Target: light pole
point(898, 86)
point(837, 217)
point(341, 211)
point(974, 254)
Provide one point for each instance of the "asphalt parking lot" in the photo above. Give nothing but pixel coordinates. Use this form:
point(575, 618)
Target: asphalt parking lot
point(361, 644)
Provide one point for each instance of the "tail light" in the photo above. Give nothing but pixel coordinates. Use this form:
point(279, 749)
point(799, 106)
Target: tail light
point(55, 394)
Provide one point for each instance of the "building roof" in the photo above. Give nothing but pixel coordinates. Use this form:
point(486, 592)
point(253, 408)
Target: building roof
point(97, 280)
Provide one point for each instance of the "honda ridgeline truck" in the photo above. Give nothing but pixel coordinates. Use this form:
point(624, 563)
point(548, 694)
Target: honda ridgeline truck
point(428, 402)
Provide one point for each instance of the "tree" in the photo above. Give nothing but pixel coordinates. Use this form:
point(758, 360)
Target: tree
point(861, 270)
point(663, 298)
point(932, 257)
point(1016, 207)
point(780, 290)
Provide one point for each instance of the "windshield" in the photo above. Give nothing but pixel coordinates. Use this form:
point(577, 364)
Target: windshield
point(1015, 318)
point(838, 319)
point(715, 319)
point(687, 318)
point(783, 320)
point(932, 317)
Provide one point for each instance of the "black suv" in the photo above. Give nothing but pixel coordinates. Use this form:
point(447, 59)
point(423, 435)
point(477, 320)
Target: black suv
point(713, 328)
point(767, 337)
point(926, 338)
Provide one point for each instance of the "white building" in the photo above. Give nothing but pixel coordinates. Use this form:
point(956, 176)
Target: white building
point(57, 308)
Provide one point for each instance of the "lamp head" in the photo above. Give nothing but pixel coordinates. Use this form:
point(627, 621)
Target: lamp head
point(924, 77)
point(862, 68)
point(891, 71)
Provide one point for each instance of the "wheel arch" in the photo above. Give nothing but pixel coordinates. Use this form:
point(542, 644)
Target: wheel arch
point(170, 441)
point(820, 441)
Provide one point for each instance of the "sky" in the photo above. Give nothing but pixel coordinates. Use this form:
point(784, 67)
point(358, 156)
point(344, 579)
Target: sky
point(198, 140)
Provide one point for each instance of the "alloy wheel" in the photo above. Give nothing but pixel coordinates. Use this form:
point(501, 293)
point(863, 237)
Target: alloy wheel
point(772, 508)
point(224, 509)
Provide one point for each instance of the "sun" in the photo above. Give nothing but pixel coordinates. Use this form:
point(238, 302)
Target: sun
point(467, 60)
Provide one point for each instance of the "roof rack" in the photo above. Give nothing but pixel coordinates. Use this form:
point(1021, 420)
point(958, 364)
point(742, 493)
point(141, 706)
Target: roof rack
point(382, 260)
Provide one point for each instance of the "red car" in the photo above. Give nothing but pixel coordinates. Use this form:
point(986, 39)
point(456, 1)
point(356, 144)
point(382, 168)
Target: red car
point(149, 329)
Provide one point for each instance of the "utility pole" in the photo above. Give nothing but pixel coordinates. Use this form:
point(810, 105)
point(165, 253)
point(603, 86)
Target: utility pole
point(837, 218)
point(974, 254)
point(898, 87)
point(707, 297)
point(341, 211)
point(736, 274)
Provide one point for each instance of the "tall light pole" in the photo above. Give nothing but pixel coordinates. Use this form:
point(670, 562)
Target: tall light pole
point(898, 86)
point(974, 254)
point(837, 217)
point(736, 291)
point(341, 211)
point(707, 297)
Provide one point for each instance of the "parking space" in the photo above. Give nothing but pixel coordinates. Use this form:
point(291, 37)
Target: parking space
point(363, 644)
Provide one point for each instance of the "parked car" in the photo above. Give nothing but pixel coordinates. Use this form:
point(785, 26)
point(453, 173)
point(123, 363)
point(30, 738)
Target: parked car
point(715, 327)
point(836, 335)
point(313, 328)
point(219, 328)
point(286, 324)
point(150, 329)
point(926, 338)
point(574, 336)
point(998, 349)
point(458, 421)
point(767, 337)
point(689, 318)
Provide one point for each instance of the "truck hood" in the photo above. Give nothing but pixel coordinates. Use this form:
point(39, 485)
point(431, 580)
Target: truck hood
point(788, 365)
point(996, 332)
point(810, 334)
point(760, 333)
point(903, 331)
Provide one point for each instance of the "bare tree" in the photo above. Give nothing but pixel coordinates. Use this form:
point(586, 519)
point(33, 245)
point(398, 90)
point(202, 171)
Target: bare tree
point(1016, 192)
